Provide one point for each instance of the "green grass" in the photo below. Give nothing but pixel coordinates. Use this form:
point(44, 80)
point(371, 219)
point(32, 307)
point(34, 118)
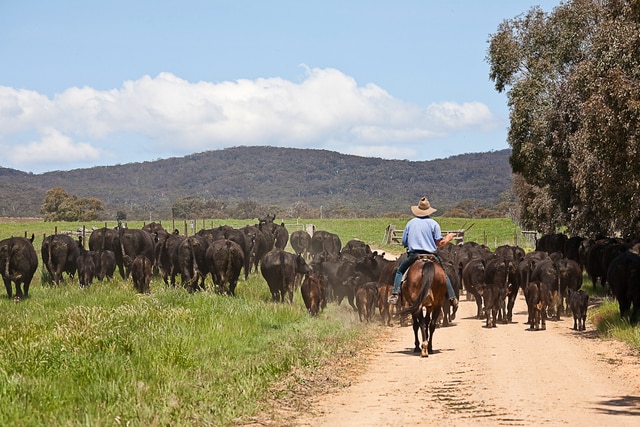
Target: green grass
point(492, 232)
point(605, 315)
point(106, 355)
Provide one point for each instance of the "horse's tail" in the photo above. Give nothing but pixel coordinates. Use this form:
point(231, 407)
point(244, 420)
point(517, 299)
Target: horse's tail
point(428, 274)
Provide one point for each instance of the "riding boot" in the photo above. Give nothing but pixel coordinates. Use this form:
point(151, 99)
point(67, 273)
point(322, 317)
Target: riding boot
point(397, 281)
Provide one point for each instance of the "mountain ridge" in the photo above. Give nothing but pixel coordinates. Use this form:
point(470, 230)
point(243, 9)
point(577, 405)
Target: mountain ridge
point(270, 177)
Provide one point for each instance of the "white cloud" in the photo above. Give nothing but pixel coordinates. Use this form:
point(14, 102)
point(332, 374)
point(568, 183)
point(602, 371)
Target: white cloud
point(326, 109)
point(53, 147)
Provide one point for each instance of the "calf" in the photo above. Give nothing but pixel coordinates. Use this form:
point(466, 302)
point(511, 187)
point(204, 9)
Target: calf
point(366, 299)
point(141, 273)
point(338, 272)
point(86, 265)
point(105, 261)
point(226, 259)
point(579, 301)
point(86, 269)
point(538, 297)
point(313, 293)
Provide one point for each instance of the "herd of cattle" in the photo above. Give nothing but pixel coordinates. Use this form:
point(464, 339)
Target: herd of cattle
point(550, 277)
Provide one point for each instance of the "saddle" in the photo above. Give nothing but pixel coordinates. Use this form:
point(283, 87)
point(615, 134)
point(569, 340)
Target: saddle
point(428, 257)
point(422, 258)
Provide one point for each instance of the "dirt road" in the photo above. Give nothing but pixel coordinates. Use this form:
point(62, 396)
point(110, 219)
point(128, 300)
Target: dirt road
point(487, 377)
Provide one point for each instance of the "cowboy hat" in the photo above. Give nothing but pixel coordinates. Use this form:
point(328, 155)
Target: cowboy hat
point(423, 209)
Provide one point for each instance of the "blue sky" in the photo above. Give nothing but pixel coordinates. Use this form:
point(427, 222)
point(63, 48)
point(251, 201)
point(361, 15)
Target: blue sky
point(86, 83)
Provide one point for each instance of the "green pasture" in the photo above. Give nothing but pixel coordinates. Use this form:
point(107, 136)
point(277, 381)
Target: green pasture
point(492, 232)
point(106, 356)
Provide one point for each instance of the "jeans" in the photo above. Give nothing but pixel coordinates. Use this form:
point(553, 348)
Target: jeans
point(404, 266)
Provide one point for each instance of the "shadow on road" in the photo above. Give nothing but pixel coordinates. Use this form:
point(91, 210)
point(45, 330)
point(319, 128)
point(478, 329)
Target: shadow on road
point(623, 405)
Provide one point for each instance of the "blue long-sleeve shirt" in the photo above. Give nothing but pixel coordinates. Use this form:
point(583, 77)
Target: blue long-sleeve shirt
point(421, 234)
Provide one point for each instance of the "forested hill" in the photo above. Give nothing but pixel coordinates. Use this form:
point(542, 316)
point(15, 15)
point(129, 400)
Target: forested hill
point(269, 177)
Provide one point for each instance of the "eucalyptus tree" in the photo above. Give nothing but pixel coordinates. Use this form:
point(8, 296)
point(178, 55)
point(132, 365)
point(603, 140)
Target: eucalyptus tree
point(572, 78)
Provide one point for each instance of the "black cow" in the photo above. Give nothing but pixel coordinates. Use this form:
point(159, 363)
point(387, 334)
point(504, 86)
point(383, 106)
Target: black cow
point(103, 238)
point(572, 248)
point(141, 273)
point(373, 265)
point(236, 235)
point(469, 251)
point(192, 262)
point(607, 255)
point(550, 243)
point(60, 255)
point(279, 269)
point(167, 256)
point(313, 293)
point(281, 236)
point(339, 273)
point(130, 244)
point(527, 265)
point(546, 272)
point(300, 241)
point(593, 260)
point(19, 262)
point(268, 229)
point(356, 248)
point(570, 279)
point(324, 241)
point(226, 259)
point(153, 228)
point(473, 281)
point(498, 275)
point(258, 246)
point(624, 280)
point(579, 302)
point(86, 265)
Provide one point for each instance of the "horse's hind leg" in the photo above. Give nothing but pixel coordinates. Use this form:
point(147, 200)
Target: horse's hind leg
point(432, 327)
point(416, 326)
point(426, 328)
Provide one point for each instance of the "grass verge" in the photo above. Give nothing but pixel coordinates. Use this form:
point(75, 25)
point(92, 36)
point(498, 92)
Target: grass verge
point(108, 356)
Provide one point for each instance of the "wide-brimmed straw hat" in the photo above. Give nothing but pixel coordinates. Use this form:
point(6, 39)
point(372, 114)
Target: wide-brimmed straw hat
point(423, 209)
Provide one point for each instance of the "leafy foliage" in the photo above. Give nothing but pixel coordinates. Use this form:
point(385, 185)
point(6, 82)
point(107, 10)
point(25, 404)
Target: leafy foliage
point(59, 206)
point(574, 95)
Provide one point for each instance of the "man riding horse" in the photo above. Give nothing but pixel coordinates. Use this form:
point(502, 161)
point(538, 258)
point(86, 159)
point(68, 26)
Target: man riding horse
point(422, 236)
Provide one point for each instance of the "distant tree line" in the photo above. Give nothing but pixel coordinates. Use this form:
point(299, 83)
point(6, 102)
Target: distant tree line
point(60, 206)
point(573, 80)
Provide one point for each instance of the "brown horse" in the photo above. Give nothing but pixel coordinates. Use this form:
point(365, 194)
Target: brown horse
point(424, 291)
